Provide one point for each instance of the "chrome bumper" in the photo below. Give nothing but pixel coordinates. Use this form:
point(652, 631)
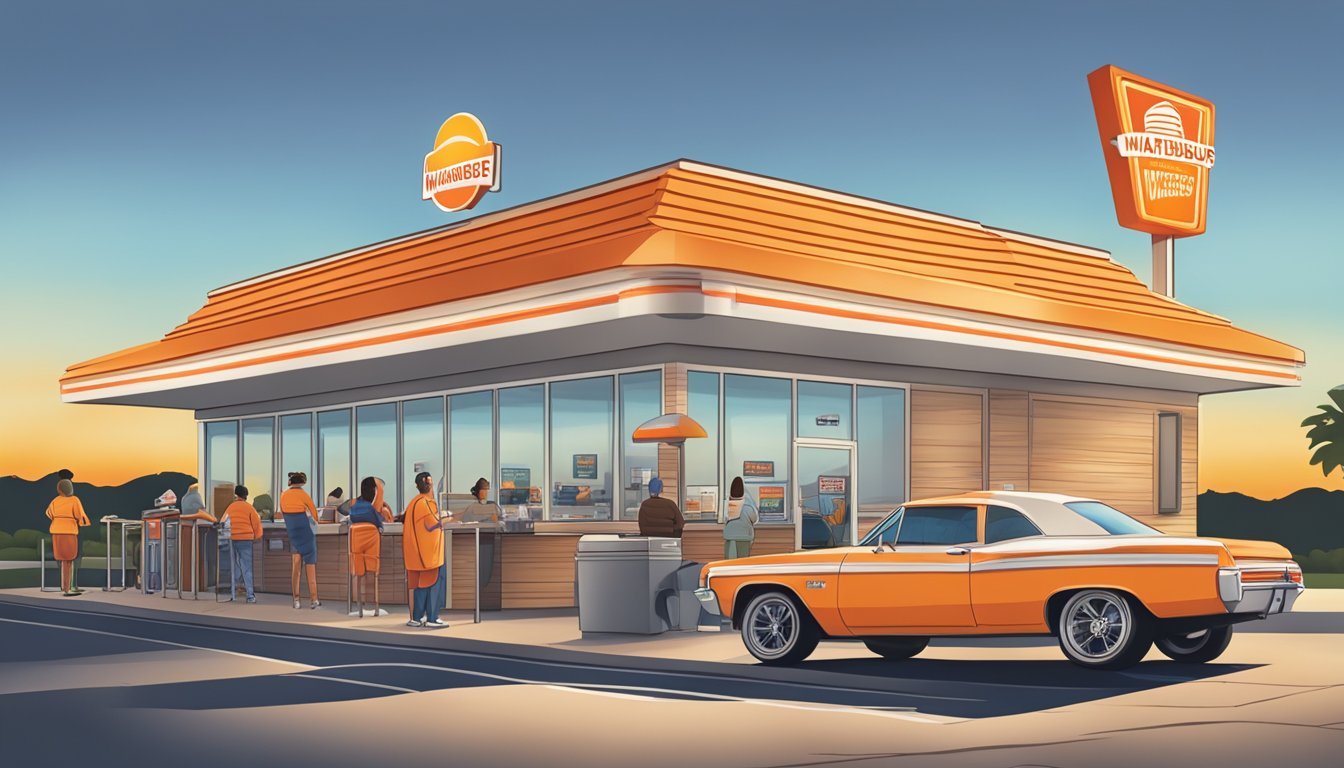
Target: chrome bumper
point(708, 600)
point(1266, 599)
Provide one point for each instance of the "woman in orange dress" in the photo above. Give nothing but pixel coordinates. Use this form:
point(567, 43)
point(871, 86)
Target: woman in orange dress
point(67, 517)
point(298, 509)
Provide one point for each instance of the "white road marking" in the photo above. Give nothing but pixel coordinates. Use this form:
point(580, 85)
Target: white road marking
point(634, 690)
point(160, 642)
point(397, 688)
point(438, 651)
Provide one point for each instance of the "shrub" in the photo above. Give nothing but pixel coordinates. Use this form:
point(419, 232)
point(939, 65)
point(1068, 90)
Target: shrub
point(1320, 561)
point(27, 537)
point(93, 548)
point(18, 553)
point(6, 540)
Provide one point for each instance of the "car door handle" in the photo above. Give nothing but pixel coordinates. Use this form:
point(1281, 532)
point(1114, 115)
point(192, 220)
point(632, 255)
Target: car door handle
point(957, 551)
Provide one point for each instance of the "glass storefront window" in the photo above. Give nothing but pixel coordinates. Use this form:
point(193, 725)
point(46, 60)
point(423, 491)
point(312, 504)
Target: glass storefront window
point(422, 445)
point(881, 439)
point(522, 449)
point(704, 497)
point(333, 455)
point(221, 465)
point(641, 400)
point(259, 464)
point(296, 451)
point(824, 410)
point(471, 442)
point(758, 441)
point(581, 432)
point(376, 449)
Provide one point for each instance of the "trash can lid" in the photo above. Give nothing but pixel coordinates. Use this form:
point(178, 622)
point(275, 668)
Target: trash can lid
point(635, 545)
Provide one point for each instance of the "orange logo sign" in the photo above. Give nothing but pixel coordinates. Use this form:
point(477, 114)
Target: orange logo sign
point(463, 166)
point(1158, 144)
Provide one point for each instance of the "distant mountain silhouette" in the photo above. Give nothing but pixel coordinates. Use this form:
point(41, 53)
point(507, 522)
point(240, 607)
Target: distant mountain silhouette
point(23, 503)
point(1312, 518)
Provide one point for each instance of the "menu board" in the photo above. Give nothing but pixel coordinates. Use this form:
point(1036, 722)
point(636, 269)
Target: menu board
point(585, 466)
point(515, 477)
point(758, 469)
point(770, 503)
point(831, 484)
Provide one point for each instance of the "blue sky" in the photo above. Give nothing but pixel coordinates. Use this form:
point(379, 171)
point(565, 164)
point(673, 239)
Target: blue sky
point(152, 151)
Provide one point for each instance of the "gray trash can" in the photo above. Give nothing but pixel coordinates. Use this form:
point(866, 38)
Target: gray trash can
point(619, 580)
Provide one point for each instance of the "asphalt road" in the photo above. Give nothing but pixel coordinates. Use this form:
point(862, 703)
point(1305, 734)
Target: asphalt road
point(78, 684)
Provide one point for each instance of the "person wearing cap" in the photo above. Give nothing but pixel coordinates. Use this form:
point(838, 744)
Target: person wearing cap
point(659, 516)
point(422, 546)
point(67, 517)
point(245, 524)
point(300, 515)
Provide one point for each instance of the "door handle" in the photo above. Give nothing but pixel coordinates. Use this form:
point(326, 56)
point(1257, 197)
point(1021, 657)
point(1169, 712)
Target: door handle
point(957, 551)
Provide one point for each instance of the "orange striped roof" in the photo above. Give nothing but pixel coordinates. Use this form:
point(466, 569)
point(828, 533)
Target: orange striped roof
point(726, 221)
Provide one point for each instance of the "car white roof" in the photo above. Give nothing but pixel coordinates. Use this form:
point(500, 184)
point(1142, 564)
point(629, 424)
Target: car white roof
point(1046, 510)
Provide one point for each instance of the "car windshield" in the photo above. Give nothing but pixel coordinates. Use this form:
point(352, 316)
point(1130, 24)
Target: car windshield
point(884, 531)
point(1112, 520)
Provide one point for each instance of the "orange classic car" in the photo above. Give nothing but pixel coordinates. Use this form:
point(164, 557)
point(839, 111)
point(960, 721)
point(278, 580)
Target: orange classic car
point(1001, 563)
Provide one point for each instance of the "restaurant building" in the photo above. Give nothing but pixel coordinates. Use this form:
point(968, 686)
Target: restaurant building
point(843, 354)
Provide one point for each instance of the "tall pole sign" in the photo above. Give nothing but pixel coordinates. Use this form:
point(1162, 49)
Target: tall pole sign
point(463, 165)
point(1158, 145)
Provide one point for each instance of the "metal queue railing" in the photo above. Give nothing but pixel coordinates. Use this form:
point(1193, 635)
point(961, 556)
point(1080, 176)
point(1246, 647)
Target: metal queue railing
point(110, 521)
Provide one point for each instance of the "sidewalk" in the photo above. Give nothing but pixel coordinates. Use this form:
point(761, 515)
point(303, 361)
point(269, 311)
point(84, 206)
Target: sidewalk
point(1315, 612)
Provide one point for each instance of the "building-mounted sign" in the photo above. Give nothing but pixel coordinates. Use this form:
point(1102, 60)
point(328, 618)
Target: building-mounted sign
point(585, 466)
point(463, 166)
point(1158, 144)
point(831, 484)
point(758, 469)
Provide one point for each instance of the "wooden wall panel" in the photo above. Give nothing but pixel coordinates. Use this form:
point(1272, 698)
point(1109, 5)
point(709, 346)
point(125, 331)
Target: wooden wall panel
point(1098, 450)
point(946, 443)
point(1009, 427)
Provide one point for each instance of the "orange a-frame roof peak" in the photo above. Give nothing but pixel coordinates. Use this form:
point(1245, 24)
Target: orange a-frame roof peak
point(723, 222)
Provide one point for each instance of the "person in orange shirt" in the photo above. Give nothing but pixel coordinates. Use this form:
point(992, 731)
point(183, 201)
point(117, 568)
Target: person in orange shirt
point(67, 517)
point(245, 524)
point(301, 524)
point(422, 546)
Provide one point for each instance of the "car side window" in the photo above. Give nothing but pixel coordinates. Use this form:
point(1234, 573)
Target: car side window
point(938, 525)
point(1002, 524)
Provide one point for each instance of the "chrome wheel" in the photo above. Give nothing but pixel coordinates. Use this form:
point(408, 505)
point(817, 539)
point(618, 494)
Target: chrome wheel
point(776, 630)
point(772, 626)
point(1100, 628)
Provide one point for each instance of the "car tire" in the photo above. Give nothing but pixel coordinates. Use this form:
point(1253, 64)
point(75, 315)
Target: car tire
point(896, 648)
point(1206, 646)
point(1101, 629)
point(777, 630)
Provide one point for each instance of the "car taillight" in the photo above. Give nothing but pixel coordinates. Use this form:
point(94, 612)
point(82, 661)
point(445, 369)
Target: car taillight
point(1251, 577)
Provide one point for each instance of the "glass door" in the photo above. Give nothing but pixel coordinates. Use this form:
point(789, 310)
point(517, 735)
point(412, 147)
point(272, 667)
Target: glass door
point(823, 487)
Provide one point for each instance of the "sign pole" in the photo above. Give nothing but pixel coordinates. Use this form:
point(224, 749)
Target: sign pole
point(1164, 265)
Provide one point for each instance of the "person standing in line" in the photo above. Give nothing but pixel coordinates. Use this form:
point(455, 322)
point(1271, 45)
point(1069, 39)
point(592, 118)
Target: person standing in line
point(366, 536)
point(66, 474)
point(245, 525)
point(301, 524)
point(67, 517)
point(422, 546)
point(659, 516)
point(740, 529)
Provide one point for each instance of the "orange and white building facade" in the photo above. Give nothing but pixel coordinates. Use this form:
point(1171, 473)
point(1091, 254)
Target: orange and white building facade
point(1024, 363)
